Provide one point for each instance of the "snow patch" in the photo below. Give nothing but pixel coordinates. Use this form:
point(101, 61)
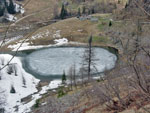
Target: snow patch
point(7, 41)
point(26, 45)
point(61, 41)
point(23, 83)
point(19, 8)
point(24, 108)
point(9, 17)
point(43, 34)
point(80, 30)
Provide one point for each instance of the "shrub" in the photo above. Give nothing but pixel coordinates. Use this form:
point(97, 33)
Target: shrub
point(36, 105)
point(61, 92)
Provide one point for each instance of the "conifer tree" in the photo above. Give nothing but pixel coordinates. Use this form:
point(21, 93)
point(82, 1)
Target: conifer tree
point(12, 90)
point(1, 11)
point(79, 12)
point(126, 5)
point(64, 12)
point(64, 77)
point(93, 11)
point(11, 7)
point(83, 10)
point(2, 7)
point(110, 23)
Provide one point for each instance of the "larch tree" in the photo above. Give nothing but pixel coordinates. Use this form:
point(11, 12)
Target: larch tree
point(88, 64)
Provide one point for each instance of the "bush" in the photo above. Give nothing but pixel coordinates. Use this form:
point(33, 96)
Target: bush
point(36, 105)
point(98, 80)
point(61, 92)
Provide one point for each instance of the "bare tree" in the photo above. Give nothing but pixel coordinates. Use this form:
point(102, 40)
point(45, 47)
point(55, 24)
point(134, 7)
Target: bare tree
point(15, 69)
point(74, 75)
point(23, 80)
point(88, 62)
point(2, 60)
point(82, 74)
point(56, 11)
point(70, 75)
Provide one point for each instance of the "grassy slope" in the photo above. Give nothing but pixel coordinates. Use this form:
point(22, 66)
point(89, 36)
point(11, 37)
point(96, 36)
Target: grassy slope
point(74, 30)
point(38, 5)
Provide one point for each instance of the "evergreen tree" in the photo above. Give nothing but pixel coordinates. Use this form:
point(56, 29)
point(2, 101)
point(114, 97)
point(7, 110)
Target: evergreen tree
point(126, 5)
point(12, 90)
point(93, 11)
point(37, 102)
point(2, 7)
point(64, 12)
point(79, 12)
point(83, 10)
point(110, 23)
point(11, 7)
point(64, 77)
point(2, 11)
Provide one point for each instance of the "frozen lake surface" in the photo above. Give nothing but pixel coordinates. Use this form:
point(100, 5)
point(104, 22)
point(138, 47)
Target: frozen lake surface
point(53, 61)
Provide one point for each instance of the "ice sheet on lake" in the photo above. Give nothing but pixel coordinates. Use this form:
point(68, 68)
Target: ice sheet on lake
point(53, 61)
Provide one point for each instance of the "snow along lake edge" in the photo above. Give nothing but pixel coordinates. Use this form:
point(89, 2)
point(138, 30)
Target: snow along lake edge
point(18, 84)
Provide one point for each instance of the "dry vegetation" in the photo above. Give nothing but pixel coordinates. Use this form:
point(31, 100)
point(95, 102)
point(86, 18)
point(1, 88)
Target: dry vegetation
point(124, 89)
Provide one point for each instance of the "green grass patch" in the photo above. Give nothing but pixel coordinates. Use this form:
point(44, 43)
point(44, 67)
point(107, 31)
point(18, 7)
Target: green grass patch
point(101, 39)
point(100, 26)
point(61, 92)
point(103, 23)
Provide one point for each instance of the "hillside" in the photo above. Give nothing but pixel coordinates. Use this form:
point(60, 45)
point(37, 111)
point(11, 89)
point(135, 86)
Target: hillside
point(120, 27)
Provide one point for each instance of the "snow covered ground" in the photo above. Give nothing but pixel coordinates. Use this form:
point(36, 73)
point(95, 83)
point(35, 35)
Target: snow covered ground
point(7, 41)
point(24, 108)
point(14, 76)
point(23, 83)
point(26, 45)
